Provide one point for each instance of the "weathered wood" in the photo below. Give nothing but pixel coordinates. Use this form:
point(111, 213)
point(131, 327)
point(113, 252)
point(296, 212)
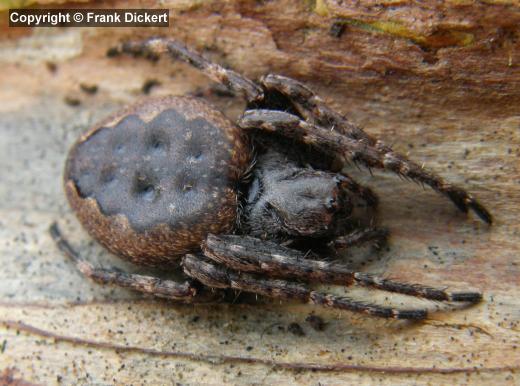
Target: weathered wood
point(439, 80)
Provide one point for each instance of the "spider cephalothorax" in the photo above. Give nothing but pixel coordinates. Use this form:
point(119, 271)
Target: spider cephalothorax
point(173, 182)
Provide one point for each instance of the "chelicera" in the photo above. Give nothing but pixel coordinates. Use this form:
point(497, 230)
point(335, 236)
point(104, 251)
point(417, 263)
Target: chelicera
point(173, 183)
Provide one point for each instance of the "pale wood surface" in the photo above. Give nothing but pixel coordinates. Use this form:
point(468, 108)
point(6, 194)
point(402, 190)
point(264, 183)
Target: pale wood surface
point(445, 89)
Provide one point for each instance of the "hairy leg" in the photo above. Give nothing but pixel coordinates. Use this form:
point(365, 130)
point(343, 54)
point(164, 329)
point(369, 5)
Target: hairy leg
point(247, 254)
point(353, 150)
point(213, 275)
point(361, 236)
point(348, 183)
point(315, 110)
point(159, 45)
point(185, 292)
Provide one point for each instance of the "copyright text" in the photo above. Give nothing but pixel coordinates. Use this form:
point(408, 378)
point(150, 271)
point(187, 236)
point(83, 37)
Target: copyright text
point(89, 18)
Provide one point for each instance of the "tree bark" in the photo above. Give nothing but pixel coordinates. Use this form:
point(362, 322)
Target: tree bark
point(437, 80)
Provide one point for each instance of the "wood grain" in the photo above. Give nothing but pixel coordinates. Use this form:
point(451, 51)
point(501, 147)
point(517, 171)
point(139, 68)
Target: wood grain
point(439, 81)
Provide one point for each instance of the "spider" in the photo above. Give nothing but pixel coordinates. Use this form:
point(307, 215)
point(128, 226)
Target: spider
point(172, 183)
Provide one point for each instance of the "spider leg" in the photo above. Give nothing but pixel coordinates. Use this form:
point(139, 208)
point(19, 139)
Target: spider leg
point(147, 284)
point(159, 45)
point(348, 183)
point(213, 275)
point(314, 109)
point(360, 236)
point(247, 254)
point(329, 141)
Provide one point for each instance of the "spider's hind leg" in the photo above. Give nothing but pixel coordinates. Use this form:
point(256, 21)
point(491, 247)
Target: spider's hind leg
point(185, 292)
point(157, 46)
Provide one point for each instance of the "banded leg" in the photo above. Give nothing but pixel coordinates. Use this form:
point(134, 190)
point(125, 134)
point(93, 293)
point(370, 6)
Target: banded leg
point(213, 275)
point(247, 254)
point(147, 284)
point(361, 236)
point(350, 149)
point(159, 45)
point(314, 109)
point(366, 194)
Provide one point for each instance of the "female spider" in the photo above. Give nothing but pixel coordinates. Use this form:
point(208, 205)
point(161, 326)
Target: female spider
point(172, 182)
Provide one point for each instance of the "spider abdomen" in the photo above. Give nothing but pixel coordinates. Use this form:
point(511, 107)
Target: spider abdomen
point(154, 179)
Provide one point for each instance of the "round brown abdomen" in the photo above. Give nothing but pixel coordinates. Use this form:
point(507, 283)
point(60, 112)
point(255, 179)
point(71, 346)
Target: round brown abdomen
point(152, 181)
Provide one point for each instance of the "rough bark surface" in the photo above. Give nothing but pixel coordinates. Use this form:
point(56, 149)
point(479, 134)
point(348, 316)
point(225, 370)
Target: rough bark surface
point(439, 80)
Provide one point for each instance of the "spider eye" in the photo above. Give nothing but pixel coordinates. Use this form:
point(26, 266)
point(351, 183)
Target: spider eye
point(331, 204)
point(338, 180)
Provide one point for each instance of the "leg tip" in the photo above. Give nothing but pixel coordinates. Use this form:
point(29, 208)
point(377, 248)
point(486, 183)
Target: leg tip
point(54, 230)
point(470, 297)
point(412, 314)
point(113, 52)
point(465, 202)
point(482, 212)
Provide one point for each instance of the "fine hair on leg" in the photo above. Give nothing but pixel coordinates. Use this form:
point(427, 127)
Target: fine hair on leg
point(352, 150)
point(146, 284)
point(360, 236)
point(217, 276)
point(248, 254)
point(231, 79)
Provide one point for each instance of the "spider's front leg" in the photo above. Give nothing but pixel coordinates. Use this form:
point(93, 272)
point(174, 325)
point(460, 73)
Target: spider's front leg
point(248, 254)
point(314, 109)
point(331, 142)
point(347, 183)
point(185, 292)
point(242, 263)
point(216, 276)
